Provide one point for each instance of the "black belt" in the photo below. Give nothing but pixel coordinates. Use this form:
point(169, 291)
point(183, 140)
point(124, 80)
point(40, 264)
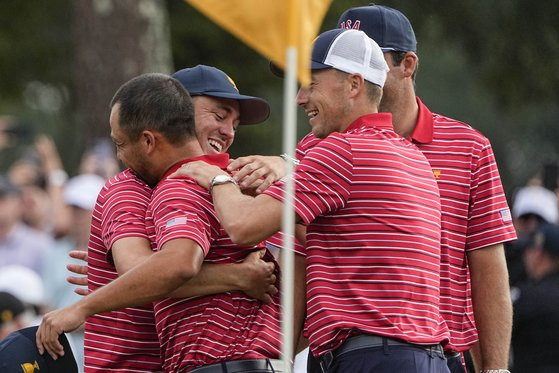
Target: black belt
point(362, 341)
point(238, 366)
point(452, 354)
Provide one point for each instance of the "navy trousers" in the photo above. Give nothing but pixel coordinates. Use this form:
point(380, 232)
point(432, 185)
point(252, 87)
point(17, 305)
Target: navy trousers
point(384, 359)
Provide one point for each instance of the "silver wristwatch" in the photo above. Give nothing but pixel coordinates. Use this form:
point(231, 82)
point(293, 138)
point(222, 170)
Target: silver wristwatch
point(221, 179)
point(288, 158)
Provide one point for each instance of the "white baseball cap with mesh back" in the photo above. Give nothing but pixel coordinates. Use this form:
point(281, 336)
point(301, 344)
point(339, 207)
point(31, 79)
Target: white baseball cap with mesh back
point(350, 51)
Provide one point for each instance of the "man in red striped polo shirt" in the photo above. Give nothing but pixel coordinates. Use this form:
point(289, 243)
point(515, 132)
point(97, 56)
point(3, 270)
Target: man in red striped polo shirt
point(475, 215)
point(154, 134)
point(126, 340)
point(371, 205)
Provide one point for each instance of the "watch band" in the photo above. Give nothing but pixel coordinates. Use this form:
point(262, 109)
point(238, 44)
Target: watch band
point(220, 180)
point(288, 158)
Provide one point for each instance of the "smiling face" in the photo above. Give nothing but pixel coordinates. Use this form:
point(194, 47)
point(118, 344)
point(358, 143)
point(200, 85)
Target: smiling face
point(324, 102)
point(217, 120)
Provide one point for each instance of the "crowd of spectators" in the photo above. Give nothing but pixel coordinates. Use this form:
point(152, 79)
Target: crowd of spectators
point(45, 214)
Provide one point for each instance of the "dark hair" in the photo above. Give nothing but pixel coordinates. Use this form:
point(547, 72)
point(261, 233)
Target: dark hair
point(155, 102)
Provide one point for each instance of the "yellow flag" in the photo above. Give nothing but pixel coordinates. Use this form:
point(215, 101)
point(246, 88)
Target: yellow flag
point(271, 26)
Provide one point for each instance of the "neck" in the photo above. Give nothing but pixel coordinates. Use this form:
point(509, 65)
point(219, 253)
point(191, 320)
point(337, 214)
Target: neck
point(356, 112)
point(403, 105)
point(172, 155)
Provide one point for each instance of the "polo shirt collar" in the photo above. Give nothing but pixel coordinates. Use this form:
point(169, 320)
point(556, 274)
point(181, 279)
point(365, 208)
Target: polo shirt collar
point(219, 160)
point(378, 120)
point(423, 131)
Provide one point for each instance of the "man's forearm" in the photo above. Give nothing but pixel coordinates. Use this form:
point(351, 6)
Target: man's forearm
point(150, 280)
point(212, 279)
point(246, 220)
point(492, 305)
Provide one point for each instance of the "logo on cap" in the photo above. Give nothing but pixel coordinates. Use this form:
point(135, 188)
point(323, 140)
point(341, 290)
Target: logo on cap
point(30, 367)
point(6, 315)
point(232, 82)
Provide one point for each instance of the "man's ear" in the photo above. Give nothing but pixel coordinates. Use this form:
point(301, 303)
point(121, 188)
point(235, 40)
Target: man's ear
point(409, 63)
point(357, 83)
point(149, 140)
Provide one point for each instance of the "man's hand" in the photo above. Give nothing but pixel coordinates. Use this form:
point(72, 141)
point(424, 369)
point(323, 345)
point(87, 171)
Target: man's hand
point(257, 277)
point(200, 171)
point(53, 325)
point(257, 171)
point(79, 269)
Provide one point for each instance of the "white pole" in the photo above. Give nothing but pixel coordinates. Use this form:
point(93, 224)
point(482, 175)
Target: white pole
point(288, 221)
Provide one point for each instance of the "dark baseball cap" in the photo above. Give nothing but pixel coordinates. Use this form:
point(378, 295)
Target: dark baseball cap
point(10, 307)
point(387, 26)
point(547, 235)
point(19, 353)
point(203, 80)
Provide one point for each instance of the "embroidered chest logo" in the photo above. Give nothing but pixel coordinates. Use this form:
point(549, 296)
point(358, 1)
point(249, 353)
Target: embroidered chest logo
point(437, 174)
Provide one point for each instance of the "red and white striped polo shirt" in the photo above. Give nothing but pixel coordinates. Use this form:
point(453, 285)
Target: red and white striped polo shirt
point(206, 330)
point(475, 213)
point(276, 243)
point(124, 340)
point(373, 237)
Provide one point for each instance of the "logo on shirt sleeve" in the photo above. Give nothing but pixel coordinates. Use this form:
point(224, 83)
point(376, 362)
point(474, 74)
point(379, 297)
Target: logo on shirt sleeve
point(176, 221)
point(505, 215)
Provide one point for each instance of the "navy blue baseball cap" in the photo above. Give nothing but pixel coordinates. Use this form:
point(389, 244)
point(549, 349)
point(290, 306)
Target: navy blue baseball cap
point(19, 353)
point(387, 26)
point(10, 307)
point(203, 80)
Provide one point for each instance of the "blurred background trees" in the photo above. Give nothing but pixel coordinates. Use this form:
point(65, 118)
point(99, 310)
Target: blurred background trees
point(491, 64)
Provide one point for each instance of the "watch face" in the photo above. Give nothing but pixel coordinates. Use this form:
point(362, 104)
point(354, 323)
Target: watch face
point(222, 179)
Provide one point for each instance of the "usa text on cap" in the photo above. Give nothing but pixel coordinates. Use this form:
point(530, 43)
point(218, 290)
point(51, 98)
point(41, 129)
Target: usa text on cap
point(387, 26)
